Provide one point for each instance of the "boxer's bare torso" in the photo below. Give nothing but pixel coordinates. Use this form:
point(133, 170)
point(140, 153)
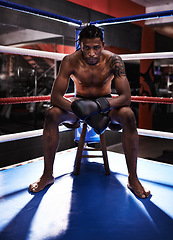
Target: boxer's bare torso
point(92, 69)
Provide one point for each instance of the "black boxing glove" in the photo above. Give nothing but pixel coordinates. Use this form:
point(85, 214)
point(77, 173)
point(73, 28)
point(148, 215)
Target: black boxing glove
point(103, 104)
point(85, 108)
point(98, 122)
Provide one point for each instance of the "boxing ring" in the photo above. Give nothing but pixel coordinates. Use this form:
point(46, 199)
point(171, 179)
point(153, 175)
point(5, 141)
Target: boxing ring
point(89, 206)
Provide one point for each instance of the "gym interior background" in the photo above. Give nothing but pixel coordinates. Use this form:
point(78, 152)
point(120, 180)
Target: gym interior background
point(31, 76)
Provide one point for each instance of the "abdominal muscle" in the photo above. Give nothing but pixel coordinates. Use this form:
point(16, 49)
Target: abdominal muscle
point(92, 92)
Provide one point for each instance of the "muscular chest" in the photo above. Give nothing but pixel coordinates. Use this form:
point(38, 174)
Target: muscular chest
point(93, 75)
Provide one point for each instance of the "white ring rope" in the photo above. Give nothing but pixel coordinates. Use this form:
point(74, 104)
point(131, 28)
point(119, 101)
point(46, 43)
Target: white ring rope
point(37, 133)
point(60, 56)
point(27, 134)
point(34, 53)
point(153, 133)
point(141, 56)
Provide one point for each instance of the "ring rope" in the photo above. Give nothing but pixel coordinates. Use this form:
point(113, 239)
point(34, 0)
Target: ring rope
point(134, 18)
point(27, 134)
point(37, 133)
point(143, 99)
point(34, 53)
point(41, 13)
point(60, 56)
point(146, 99)
point(153, 133)
point(38, 12)
point(142, 56)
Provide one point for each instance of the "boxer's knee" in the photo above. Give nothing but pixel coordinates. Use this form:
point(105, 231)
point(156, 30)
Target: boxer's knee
point(128, 117)
point(53, 114)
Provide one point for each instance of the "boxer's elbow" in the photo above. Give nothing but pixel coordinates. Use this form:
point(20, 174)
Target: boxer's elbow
point(55, 101)
point(128, 100)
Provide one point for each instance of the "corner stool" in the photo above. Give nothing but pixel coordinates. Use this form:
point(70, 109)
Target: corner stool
point(81, 148)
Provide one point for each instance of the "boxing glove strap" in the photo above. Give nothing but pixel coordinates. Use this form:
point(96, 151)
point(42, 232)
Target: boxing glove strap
point(103, 104)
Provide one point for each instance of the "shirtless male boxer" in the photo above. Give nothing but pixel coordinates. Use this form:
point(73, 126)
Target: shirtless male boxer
point(92, 69)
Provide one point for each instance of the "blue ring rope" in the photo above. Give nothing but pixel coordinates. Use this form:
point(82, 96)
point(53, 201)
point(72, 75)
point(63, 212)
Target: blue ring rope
point(20, 7)
point(140, 17)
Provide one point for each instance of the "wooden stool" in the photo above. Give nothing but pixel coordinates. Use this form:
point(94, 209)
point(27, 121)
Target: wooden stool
point(81, 148)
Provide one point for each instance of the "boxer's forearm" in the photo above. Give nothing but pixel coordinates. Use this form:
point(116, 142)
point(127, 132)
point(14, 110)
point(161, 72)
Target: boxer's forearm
point(61, 102)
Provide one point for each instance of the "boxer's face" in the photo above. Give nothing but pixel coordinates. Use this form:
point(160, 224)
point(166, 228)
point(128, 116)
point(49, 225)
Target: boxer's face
point(92, 49)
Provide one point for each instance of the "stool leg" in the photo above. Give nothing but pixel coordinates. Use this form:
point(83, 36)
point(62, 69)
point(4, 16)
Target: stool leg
point(104, 151)
point(80, 149)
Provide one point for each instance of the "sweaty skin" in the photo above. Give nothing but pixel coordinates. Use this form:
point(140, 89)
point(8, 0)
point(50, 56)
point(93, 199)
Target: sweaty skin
point(92, 69)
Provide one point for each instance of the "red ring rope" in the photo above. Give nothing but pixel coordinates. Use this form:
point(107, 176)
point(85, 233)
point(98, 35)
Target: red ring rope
point(143, 99)
point(16, 100)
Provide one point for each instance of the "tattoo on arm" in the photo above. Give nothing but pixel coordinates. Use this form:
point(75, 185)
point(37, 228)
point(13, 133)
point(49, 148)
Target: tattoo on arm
point(117, 66)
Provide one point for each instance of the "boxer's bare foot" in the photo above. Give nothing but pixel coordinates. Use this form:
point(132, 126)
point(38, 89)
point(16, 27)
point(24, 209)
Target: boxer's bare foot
point(41, 183)
point(136, 187)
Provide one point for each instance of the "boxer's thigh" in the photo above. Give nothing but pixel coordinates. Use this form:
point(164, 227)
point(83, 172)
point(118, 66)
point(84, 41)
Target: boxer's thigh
point(57, 115)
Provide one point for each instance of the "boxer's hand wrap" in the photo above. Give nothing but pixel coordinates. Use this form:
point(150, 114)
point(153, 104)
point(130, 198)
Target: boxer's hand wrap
point(94, 112)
